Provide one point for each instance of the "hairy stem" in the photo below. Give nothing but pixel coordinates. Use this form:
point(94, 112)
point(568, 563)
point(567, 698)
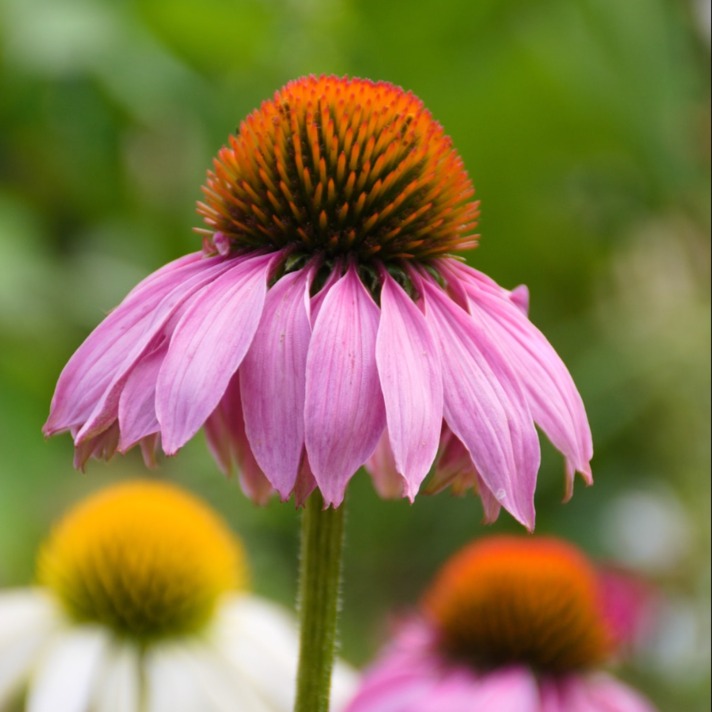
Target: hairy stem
point(322, 540)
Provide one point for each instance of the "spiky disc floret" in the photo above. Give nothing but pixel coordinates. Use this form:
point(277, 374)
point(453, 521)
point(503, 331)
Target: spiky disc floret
point(336, 166)
point(509, 600)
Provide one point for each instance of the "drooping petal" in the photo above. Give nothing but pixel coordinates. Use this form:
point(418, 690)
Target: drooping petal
point(260, 642)
point(490, 504)
point(484, 406)
point(401, 677)
point(168, 270)
point(519, 296)
point(554, 400)
point(305, 484)
point(565, 423)
point(137, 403)
point(207, 347)
point(411, 381)
point(68, 673)
point(169, 684)
point(118, 689)
point(272, 381)
point(551, 697)
point(630, 604)
point(454, 466)
point(344, 409)
point(391, 693)
point(606, 693)
point(150, 447)
point(101, 446)
point(506, 690)
point(595, 692)
point(225, 434)
point(456, 470)
point(116, 343)
point(27, 621)
point(164, 316)
point(389, 483)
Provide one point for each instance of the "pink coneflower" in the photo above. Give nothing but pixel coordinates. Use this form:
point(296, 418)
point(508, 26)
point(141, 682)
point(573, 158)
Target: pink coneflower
point(510, 625)
point(326, 323)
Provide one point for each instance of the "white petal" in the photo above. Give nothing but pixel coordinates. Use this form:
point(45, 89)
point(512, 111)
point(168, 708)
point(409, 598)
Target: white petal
point(67, 674)
point(261, 642)
point(344, 682)
point(191, 677)
point(118, 690)
point(169, 688)
point(27, 621)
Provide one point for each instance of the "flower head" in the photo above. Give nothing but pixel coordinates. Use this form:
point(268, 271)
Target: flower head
point(509, 623)
point(142, 595)
point(327, 323)
point(144, 559)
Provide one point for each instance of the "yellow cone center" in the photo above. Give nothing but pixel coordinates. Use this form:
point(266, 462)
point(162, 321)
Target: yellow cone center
point(145, 559)
point(520, 601)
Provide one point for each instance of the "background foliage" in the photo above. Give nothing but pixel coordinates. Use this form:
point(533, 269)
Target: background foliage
point(585, 127)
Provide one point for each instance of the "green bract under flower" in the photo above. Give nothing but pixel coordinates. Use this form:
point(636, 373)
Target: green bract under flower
point(340, 167)
point(143, 559)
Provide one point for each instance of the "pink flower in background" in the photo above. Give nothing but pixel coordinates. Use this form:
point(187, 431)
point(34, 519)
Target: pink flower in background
point(509, 625)
point(326, 324)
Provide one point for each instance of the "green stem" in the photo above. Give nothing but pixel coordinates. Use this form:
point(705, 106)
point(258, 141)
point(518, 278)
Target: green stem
point(319, 581)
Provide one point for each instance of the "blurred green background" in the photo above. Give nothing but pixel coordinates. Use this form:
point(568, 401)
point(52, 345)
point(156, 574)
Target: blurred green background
point(585, 127)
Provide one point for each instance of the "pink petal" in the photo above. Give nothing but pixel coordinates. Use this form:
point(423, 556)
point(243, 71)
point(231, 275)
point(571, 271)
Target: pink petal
point(168, 270)
point(629, 604)
point(409, 371)
point(506, 690)
point(454, 466)
point(490, 504)
point(137, 403)
point(344, 409)
point(606, 694)
point(395, 683)
point(382, 465)
point(484, 406)
point(305, 483)
point(318, 299)
point(519, 296)
point(164, 316)
point(456, 470)
point(150, 447)
point(554, 400)
point(272, 381)
point(207, 347)
point(118, 341)
point(225, 434)
point(101, 447)
point(551, 697)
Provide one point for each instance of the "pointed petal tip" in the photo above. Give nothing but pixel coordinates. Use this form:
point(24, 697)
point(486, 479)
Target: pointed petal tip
point(285, 495)
point(587, 475)
point(526, 518)
point(171, 449)
point(52, 426)
point(409, 490)
point(334, 499)
point(520, 298)
point(571, 470)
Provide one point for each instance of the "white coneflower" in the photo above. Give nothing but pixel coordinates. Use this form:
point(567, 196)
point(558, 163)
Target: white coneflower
point(142, 606)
